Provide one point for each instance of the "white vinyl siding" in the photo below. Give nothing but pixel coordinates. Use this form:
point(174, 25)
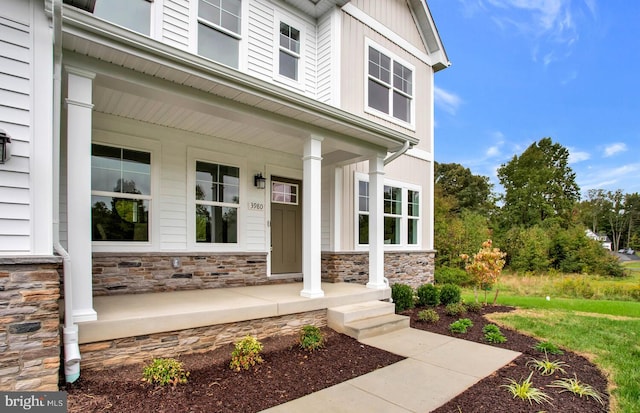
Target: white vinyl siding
point(16, 56)
point(175, 23)
point(326, 63)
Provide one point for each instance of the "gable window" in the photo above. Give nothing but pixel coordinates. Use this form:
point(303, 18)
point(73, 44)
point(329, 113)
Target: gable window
point(289, 51)
point(217, 194)
point(132, 14)
point(401, 214)
point(120, 194)
point(219, 30)
point(389, 85)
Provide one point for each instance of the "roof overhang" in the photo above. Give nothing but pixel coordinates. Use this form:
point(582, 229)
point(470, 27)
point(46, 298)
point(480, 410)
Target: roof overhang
point(430, 34)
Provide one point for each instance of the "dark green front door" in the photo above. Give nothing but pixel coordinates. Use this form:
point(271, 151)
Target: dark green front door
point(286, 226)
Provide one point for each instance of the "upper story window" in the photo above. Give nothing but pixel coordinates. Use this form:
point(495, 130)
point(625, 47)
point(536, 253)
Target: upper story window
point(219, 26)
point(289, 51)
point(389, 85)
point(120, 194)
point(217, 201)
point(132, 14)
point(401, 213)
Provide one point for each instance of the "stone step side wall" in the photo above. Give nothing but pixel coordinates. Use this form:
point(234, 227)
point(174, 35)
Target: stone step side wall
point(29, 323)
point(132, 273)
point(414, 268)
point(142, 349)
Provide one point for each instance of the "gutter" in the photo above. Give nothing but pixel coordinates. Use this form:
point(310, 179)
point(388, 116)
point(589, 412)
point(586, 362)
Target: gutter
point(397, 154)
point(70, 330)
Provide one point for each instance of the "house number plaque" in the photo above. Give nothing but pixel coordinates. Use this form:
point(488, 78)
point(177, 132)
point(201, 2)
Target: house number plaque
point(256, 206)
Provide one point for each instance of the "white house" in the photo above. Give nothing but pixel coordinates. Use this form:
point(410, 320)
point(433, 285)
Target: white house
point(163, 146)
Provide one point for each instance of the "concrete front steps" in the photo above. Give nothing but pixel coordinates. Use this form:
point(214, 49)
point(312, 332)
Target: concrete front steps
point(366, 319)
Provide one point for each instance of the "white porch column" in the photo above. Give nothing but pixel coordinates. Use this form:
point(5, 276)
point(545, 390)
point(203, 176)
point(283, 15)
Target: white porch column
point(311, 222)
point(79, 108)
point(376, 222)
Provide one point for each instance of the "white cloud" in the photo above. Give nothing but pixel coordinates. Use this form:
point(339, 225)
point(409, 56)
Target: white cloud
point(447, 101)
point(493, 152)
point(578, 156)
point(614, 148)
point(623, 177)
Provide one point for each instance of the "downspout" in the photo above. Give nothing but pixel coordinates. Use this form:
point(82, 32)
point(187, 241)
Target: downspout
point(398, 153)
point(70, 330)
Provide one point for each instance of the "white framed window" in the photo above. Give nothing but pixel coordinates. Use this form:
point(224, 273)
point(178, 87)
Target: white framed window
point(289, 51)
point(285, 193)
point(217, 201)
point(219, 30)
point(289, 58)
point(390, 86)
point(401, 213)
point(132, 14)
point(121, 194)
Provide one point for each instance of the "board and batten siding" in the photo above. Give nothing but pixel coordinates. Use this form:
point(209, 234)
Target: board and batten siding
point(175, 23)
point(15, 113)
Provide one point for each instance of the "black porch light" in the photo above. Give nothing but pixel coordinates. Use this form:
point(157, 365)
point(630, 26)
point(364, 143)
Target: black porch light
point(5, 146)
point(259, 181)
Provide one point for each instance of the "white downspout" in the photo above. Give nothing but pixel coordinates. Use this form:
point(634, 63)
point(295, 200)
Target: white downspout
point(398, 153)
point(70, 330)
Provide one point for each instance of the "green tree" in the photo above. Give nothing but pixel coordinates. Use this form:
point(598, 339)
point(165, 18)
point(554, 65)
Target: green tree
point(471, 192)
point(539, 185)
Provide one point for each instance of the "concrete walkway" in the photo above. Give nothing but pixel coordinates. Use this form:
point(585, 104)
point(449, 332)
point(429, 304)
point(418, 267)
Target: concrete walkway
point(437, 369)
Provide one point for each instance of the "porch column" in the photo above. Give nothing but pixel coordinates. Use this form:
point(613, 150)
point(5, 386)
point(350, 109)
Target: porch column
point(311, 222)
point(79, 108)
point(376, 222)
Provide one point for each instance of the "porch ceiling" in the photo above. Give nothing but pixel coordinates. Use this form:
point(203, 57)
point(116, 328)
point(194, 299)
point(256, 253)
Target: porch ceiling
point(139, 78)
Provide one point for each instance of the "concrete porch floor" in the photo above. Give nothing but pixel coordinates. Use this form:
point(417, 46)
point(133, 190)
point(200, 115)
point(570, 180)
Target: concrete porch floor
point(140, 314)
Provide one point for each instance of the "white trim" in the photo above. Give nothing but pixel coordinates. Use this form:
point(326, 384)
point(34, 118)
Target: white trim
point(336, 58)
point(421, 153)
point(298, 24)
point(358, 14)
point(359, 176)
point(199, 154)
point(369, 43)
point(153, 147)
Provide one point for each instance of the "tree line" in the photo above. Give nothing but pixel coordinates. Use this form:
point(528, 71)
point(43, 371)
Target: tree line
point(539, 220)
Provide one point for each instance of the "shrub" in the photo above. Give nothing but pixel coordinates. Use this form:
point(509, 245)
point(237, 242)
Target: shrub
point(578, 388)
point(402, 295)
point(547, 347)
point(246, 354)
point(547, 367)
point(164, 371)
point(311, 338)
point(491, 328)
point(452, 275)
point(461, 326)
point(526, 391)
point(455, 309)
point(492, 334)
point(429, 315)
point(473, 307)
point(428, 294)
point(449, 293)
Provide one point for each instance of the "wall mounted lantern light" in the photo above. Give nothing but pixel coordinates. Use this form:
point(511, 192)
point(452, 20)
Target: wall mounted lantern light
point(5, 146)
point(259, 181)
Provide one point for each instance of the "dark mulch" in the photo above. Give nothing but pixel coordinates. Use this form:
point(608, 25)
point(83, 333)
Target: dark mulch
point(488, 396)
point(289, 373)
point(286, 374)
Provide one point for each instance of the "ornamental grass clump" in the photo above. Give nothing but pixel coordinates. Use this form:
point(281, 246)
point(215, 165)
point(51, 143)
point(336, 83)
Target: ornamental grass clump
point(547, 367)
point(310, 338)
point(429, 315)
point(246, 354)
point(455, 309)
point(525, 391)
point(578, 388)
point(164, 371)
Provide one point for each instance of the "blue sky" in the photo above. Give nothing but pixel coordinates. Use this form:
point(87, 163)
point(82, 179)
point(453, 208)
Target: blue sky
point(523, 70)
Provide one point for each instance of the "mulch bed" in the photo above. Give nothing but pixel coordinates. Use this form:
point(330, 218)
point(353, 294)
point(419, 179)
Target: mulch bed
point(289, 373)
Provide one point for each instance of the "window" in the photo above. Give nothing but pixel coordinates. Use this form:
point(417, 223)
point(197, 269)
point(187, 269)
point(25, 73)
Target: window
point(401, 214)
point(289, 51)
point(132, 14)
point(284, 193)
point(219, 30)
point(217, 194)
point(389, 85)
point(120, 194)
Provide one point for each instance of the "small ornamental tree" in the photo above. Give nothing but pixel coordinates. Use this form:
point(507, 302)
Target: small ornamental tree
point(485, 268)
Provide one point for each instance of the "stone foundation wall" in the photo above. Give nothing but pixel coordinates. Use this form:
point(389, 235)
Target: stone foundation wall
point(29, 323)
point(142, 349)
point(131, 273)
point(408, 267)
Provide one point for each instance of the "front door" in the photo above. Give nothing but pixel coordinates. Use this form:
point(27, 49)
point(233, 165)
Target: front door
point(286, 226)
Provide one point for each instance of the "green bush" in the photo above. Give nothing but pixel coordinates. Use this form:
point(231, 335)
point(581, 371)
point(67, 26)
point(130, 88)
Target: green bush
point(452, 275)
point(165, 371)
point(310, 338)
point(547, 347)
point(428, 294)
point(450, 293)
point(473, 307)
point(429, 315)
point(492, 334)
point(490, 328)
point(246, 354)
point(461, 326)
point(402, 296)
point(455, 309)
